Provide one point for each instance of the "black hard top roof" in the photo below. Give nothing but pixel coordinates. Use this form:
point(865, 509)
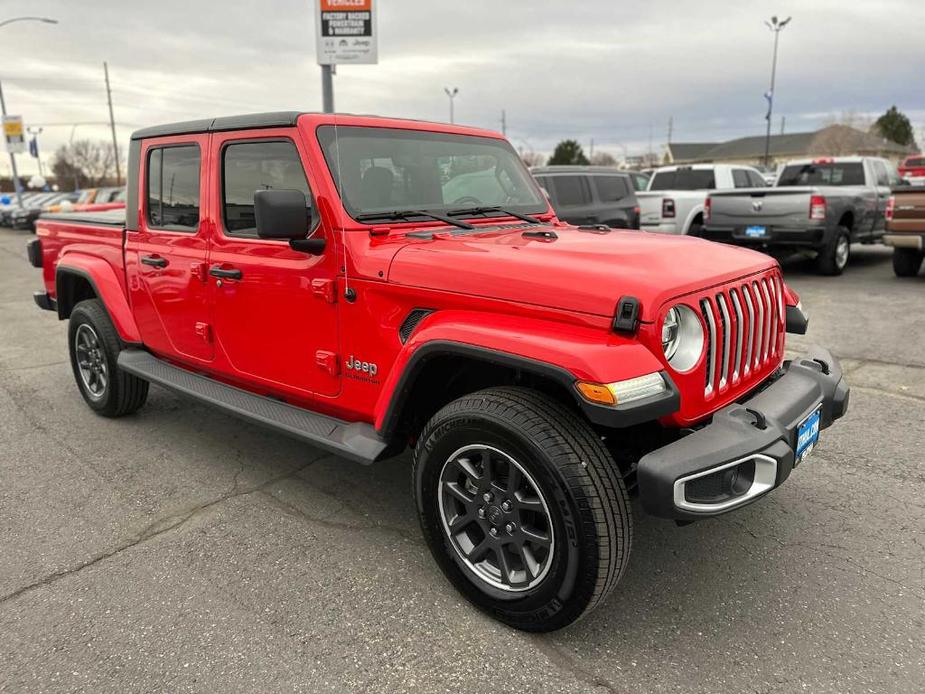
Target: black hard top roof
point(272, 119)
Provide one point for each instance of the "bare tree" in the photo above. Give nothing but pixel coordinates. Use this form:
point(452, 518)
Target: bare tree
point(603, 159)
point(84, 163)
point(532, 158)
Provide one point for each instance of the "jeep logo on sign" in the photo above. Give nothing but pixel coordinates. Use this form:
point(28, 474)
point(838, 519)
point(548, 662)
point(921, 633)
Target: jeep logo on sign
point(363, 367)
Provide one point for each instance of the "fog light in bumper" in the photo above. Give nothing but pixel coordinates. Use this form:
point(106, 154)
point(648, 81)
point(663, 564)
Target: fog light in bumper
point(725, 486)
point(622, 392)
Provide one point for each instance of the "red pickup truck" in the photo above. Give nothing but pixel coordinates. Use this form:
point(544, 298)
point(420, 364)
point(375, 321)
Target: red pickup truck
point(350, 282)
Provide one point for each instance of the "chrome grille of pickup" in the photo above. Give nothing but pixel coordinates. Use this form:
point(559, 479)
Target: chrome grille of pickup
point(743, 326)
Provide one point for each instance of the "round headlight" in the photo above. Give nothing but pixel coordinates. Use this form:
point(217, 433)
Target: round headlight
point(682, 338)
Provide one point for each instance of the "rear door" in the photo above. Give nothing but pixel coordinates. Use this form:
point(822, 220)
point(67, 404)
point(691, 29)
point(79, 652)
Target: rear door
point(275, 319)
point(166, 257)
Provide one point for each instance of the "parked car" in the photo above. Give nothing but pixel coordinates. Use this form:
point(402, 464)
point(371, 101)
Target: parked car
point(326, 285)
point(820, 206)
point(7, 208)
point(913, 169)
point(591, 195)
point(675, 199)
point(905, 229)
point(25, 217)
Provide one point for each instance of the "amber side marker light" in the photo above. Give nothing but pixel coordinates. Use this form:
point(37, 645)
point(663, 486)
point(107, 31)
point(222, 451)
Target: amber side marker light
point(622, 392)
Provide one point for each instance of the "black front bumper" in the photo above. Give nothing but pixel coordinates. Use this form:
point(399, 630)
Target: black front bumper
point(758, 434)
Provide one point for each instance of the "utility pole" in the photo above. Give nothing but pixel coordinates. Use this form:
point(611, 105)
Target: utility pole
point(327, 88)
point(783, 121)
point(112, 125)
point(12, 156)
point(670, 128)
point(591, 149)
point(503, 123)
point(452, 94)
point(776, 27)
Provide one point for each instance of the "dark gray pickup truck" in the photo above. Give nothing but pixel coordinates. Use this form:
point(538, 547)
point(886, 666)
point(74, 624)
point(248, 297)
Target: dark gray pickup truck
point(818, 206)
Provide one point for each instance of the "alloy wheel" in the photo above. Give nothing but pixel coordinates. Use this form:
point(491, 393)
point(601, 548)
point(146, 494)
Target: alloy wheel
point(91, 361)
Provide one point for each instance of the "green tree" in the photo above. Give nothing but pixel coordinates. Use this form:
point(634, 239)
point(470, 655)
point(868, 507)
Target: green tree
point(568, 152)
point(894, 125)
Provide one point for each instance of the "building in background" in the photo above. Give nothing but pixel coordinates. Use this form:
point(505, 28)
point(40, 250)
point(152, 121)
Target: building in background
point(833, 140)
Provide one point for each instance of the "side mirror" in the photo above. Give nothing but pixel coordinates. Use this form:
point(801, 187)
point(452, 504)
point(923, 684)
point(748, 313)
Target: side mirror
point(286, 214)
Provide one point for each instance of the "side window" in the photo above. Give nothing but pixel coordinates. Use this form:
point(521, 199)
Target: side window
point(545, 184)
point(755, 179)
point(740, 178)
point(251, 166)
point(571, 191)
point(610, 188)
point(173, 188)
point(883, 178)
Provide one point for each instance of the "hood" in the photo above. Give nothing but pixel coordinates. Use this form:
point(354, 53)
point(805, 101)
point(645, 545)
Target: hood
point(579, 271)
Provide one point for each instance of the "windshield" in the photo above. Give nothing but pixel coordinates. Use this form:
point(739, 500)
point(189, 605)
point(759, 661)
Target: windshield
point(388, 169)
point(914, 161)
point(844, 174)
point(684, 179)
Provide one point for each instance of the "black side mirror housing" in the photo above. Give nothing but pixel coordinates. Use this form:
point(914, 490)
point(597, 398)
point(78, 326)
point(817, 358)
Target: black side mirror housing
point(282, 214)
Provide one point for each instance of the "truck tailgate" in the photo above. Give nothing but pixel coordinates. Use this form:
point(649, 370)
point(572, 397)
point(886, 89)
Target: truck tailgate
point(783, 207)
point(908, 210)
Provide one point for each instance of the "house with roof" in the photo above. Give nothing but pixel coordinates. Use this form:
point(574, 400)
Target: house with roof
point(831, 141)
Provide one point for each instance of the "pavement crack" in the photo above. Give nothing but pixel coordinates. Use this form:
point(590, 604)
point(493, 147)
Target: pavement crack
point(159, 527)
point(567, 662)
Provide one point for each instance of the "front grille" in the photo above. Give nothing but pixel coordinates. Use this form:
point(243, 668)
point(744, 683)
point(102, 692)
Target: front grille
point(743, 326)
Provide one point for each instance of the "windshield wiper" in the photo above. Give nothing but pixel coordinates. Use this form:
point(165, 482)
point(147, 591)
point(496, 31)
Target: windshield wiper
point(406, 214)
point(493, 208)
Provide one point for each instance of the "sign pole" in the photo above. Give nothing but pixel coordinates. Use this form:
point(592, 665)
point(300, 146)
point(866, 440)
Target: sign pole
point(12, 156)
point(327, 88)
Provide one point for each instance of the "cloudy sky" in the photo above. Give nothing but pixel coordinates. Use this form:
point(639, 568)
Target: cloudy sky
point(603, 69)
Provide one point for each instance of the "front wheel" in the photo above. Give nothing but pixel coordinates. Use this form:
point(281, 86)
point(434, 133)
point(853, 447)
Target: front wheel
point(522, 507)
point(906, 262)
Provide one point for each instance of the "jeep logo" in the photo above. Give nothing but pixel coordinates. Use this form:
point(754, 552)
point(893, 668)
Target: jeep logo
point(364, 367)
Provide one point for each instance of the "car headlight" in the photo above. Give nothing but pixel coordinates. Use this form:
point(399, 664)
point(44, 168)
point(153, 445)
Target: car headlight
point(682, 338)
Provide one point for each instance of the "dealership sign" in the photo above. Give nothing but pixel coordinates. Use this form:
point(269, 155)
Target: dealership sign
point(14, 134)
point(346, 32)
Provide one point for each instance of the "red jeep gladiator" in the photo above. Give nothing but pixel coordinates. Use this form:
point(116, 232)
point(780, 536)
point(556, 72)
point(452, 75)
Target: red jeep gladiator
point(366, 284)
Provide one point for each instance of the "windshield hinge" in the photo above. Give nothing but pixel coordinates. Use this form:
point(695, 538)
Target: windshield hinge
point(325, 289)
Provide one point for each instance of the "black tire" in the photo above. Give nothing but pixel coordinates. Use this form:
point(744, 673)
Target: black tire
point(830, 259)
point(113, 393)
point(578, 482)
point(906, 262)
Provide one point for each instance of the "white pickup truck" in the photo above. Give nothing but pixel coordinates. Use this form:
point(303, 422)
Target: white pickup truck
point(673, 203)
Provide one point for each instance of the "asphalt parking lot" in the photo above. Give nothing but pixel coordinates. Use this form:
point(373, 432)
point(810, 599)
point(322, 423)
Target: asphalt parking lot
point(180, 550)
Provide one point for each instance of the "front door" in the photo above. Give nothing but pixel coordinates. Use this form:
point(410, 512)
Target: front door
point(166, 257)
point(274, 309)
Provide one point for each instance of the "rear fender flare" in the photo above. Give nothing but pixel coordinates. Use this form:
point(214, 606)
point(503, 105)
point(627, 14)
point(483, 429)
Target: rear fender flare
point(564, 354)
point(106, 285)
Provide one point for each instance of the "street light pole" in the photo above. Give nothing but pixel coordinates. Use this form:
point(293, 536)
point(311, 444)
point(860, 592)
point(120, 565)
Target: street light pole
point(452, 94)
point(16, 186)
point(776, 27)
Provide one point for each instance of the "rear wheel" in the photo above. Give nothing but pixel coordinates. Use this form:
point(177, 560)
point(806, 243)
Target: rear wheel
point(833, 257)
point(906, 262)
point(94, 348)
point(522, 507)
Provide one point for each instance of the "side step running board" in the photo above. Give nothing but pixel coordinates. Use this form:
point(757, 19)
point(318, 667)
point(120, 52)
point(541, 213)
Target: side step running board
point(355, 440)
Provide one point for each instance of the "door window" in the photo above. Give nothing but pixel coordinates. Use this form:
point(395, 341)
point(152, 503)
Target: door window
point(883, 178)
point(173, 188)
point(740, 179)
point(251, 166)
point(610, 188)
point(755, 179)
point(571, 191)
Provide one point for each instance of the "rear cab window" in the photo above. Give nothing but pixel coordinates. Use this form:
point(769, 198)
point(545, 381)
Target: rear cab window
point(172, 195)
point(249, 166)
point(823, 174)
point(684, 179)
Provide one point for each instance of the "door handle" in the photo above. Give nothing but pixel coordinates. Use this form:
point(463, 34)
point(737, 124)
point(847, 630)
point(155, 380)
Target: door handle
point(154, 260)
point(222, 273)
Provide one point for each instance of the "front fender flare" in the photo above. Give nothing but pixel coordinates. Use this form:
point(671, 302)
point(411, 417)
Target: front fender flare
point(561, 353)
point(107, 286)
